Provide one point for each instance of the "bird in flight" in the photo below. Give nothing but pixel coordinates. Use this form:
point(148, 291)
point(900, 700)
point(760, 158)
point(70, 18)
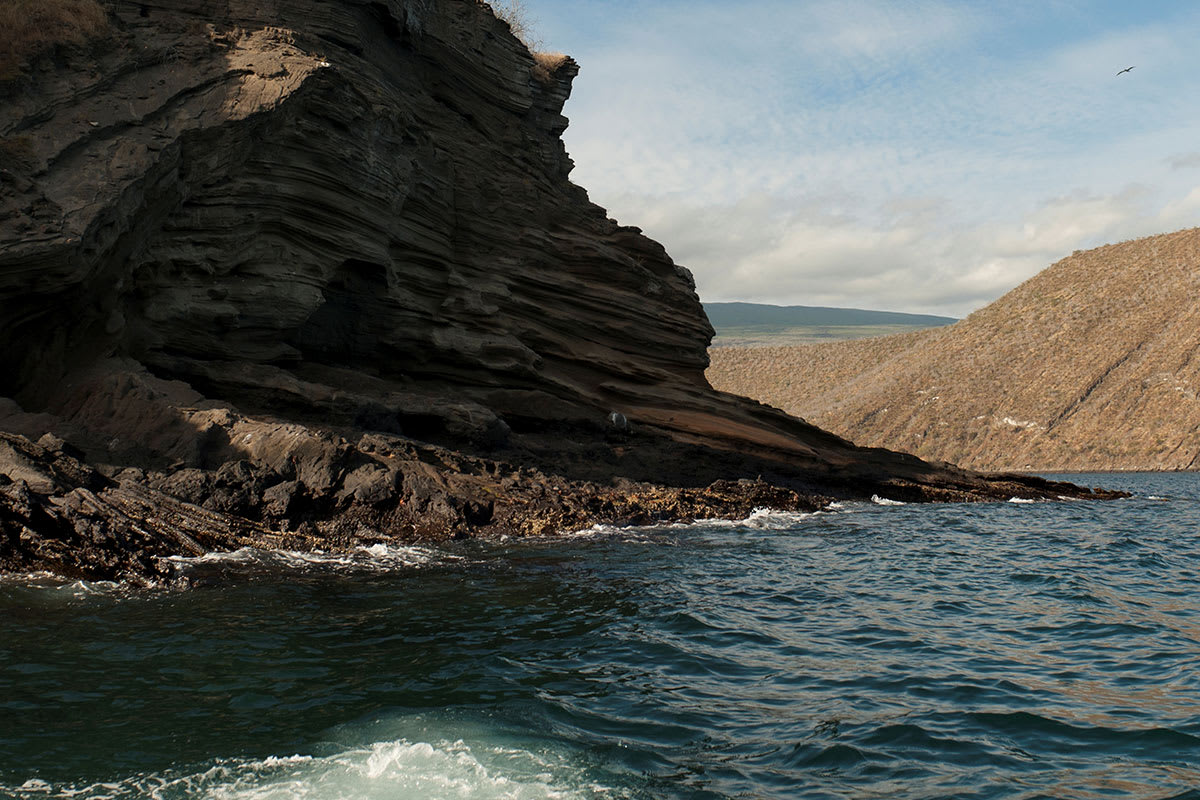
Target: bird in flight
point(1122, 72)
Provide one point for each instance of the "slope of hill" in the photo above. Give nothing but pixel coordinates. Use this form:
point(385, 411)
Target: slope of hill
point(1092, 364)
point(759, 324)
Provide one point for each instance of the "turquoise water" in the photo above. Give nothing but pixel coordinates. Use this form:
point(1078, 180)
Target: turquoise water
point(980, 651)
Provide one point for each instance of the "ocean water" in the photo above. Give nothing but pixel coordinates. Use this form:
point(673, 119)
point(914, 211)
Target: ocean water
point(1006, 650)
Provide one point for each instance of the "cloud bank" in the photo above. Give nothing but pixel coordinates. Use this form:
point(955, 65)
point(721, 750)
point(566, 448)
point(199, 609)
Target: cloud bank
point(921, 157)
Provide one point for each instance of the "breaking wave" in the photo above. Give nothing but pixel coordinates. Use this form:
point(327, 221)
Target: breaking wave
point(758, 519)
point(395, 770)
point(373, 558)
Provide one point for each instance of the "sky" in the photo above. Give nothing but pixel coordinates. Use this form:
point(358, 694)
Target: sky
point(901, 155)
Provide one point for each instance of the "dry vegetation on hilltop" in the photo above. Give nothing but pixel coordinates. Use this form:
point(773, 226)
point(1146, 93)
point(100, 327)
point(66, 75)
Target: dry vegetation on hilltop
point(1093, 364)
point(545, 65)
point(781, 375)
point(34, 27)
point(517, 16)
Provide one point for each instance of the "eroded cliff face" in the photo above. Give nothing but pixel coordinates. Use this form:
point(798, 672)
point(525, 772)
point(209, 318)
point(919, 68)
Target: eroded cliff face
point(314, 223)
point(364, 186)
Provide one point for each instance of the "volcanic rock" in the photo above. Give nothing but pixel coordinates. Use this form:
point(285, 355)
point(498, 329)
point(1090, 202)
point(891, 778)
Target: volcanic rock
point(312, 274)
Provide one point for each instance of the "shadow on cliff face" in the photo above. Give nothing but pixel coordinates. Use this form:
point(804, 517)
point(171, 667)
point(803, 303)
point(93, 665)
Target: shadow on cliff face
point(232, 156)
point(118, 134)
point(345, 329)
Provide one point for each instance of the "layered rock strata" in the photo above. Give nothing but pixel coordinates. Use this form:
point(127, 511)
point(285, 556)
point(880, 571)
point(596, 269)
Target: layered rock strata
point(313, 274)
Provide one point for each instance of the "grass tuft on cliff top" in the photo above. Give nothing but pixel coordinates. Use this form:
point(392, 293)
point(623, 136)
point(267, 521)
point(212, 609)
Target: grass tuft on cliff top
point(34, 27)
point(517, 16)
point(546, 64)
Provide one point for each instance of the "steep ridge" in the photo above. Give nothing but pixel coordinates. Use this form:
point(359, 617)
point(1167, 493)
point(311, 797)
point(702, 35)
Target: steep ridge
point(313, 273)
point(1093, 364)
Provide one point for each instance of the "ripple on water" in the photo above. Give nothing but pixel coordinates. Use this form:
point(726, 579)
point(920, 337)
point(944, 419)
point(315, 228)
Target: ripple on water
point(988, 651)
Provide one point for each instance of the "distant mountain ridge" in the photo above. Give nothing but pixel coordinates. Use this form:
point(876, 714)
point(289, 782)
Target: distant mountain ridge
point(748, 314)
point(761, 325)
point(1093, 364)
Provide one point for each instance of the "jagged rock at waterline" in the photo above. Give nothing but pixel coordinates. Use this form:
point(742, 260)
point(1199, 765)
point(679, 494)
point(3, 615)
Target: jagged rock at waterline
point(312, 274)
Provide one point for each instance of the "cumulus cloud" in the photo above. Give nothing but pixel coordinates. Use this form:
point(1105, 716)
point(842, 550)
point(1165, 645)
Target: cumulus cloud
point(922, 156)
point(901, 257)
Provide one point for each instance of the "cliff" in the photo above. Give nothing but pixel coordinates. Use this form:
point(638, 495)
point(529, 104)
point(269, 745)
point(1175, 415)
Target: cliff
point(312, 274)
point(1090, 365)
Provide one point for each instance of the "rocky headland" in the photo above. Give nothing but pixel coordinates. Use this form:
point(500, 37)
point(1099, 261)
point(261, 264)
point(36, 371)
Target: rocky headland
point(1091, 365)
point(312, 275)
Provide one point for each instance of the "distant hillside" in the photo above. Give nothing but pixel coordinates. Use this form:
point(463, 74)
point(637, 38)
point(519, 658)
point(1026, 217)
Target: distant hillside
point(1093, 364)
point(755, 314)
point(757, 324)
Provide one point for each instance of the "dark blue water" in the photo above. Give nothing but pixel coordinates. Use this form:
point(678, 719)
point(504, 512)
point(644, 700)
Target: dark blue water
point(979, 651)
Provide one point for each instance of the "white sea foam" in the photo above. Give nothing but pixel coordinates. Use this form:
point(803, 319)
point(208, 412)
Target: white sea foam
point(1021, 500)
point(395, 770)
point(601, 530)
point(54, 586)
point(374, 558)
point(883, 501)
point(768, 519)
point(760, 518)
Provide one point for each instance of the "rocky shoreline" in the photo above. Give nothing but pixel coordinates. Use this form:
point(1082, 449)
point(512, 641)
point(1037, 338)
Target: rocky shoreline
point(315, 276)
point(235, 481)
point(60, 515)
point(64, 517)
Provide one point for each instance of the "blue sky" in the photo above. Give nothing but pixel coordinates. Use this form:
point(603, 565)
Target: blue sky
point(905, 155)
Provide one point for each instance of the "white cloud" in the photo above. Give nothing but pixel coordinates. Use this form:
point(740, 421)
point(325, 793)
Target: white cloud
point(904, 259)
point(1183, 212)
point(921, 156)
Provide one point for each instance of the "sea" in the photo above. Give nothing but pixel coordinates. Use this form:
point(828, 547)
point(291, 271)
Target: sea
point(874, 650)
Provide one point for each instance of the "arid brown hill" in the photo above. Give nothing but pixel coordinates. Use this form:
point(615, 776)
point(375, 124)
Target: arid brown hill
point(1093, 364)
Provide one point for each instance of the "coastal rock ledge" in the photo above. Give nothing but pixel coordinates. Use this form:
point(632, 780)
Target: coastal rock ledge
point(312, 275)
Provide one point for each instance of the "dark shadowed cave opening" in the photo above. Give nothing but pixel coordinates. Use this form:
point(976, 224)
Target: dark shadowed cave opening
point(346, 328)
